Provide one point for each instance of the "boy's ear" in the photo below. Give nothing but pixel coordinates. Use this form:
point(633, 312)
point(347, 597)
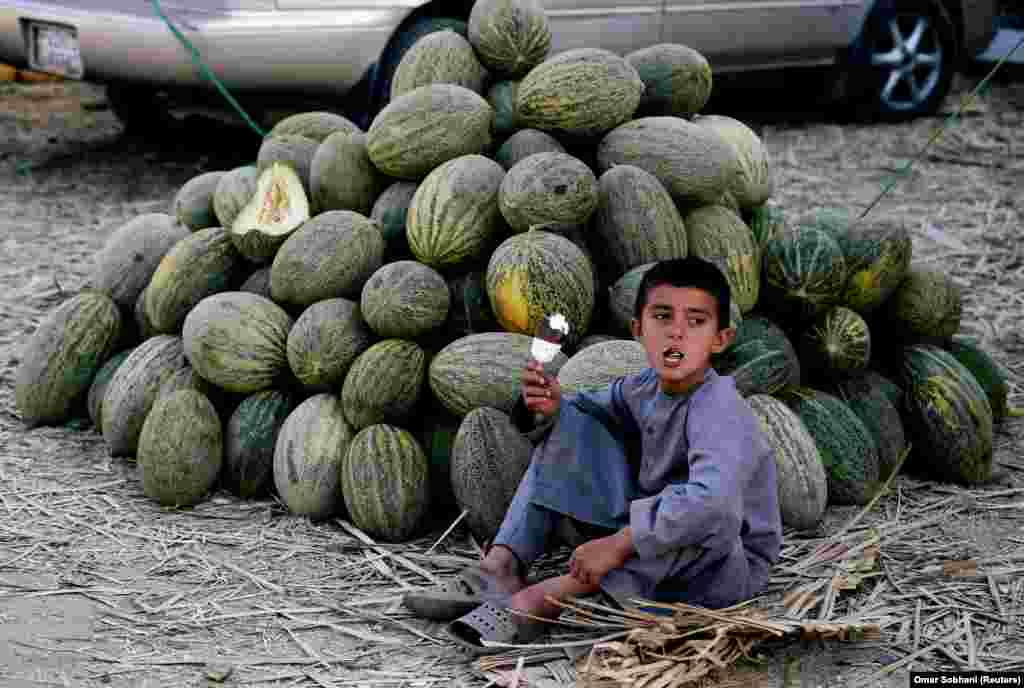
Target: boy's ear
point(723, 338)
point(635, 328)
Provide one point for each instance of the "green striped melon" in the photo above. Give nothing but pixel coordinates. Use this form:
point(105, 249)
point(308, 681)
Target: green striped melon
point(99, 385)
point(552, 191)
point(187, 378)
point(201, 265)
point(502, 97)
point(61, 357)
point(234, 191)
point(525, 143)
point(308, 457)
point(489, 458)
point(804, 273)
point(258, 282)
point(622, 297)
point(250, 436)
point(636, 222)
point(802, 481)
point(481, 370)
point(427, 127)
point(947, 416)
point(718, 235)
point(761, 360)
point(278, 207)
point(580, 93)
point(453, 218)
point(316, 125)
point(884, 384)
point(144, 329)
point(927, 305)
point(677, 79)
point(385, 482)
point(510, 36)
point(237, 341)
point(837, 344)
point(134, 388)
point(342, 176)
point(181, 449)
point(753, 185)
point(384, 384)
point(988, 372)
point(330, 256)
point(872, 405)
point(292, 150)
point(193, 203)
point(441, 57)
point(130, 255)
point(536, 273)
point(848, 451)
point(324, 342)
point(405, 300)
point(599, 365)
point(694, 163)
point(767, 221)
point(878, 257)
point(389, 212)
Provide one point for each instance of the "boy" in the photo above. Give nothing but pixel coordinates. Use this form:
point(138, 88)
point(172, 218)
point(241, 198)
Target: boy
point(695, 518)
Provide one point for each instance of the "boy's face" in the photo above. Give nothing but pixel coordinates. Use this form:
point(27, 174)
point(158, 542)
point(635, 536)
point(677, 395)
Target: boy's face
point(680, 320)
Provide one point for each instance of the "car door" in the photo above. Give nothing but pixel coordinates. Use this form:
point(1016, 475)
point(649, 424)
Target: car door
point(744, 34)
point(617, 25)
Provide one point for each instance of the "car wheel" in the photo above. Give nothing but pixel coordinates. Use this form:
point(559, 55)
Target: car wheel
point(380, 79)
point(141, 109)
point(906, 55)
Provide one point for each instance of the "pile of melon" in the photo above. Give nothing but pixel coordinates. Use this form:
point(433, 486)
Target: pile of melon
point(343, 324)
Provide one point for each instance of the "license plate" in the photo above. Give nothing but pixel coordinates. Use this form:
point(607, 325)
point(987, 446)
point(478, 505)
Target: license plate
point(54, 48)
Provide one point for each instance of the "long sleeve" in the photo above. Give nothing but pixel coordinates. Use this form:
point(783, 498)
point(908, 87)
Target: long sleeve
point(706, 509)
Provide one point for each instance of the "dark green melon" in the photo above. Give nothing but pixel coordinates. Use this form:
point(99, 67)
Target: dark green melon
point(580, 93)
point(489, 458)
point(62, 356)
point(258, 282)
point(848, 450)
point(405, 300)
point(767, 221)
point(250, 436)
point(193, 204)
point(677, 79)
point(389, 212)
point(470, 309)
point(761, 360)
point(927, 305)
point(552, 191)
point(535, 274)
point(597, 366)
point(331, 255)
point(877, 255)
point(502, 97)
point(341, 175)
point(385, 482)
point(886, 386)
point(510, 36)
point(718, 235)
point(294, 150)
point(986, 370)
point(134, 388)
point(308, 457)
point(130, 255)
point(800, 472)
point(324, 341)
point(181, 449)
point(435, 431)
point(453, 219)
point(872, 405)
point(804, 274)
point(238, 341)
point(440, 57)
point(635, 222)
point(525, 143)
point(837, 344)
point(384, 384)
point(234, 191)
point(316, 125)
point(99, 385)
point(427, 127)
point(203, 264)
point(947, 416)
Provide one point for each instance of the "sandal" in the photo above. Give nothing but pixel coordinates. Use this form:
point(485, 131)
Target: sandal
point(458, 596)
point(495, 623)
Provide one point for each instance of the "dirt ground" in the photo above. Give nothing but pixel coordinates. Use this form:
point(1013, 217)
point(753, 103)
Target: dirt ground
point(99, 587)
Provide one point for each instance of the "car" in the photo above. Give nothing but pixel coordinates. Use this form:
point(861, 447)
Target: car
point(892, 59)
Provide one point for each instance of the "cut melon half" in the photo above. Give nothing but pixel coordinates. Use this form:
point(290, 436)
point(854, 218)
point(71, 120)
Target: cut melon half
point(274, 212)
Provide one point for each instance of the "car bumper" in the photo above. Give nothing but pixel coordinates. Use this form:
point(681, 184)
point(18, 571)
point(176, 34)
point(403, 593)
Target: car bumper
point(255, 50)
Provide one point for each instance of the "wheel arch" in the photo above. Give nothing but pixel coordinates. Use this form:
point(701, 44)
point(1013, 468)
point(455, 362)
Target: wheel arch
point(953, 9)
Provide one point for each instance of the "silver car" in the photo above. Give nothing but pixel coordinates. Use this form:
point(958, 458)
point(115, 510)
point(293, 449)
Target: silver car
point(892, 58)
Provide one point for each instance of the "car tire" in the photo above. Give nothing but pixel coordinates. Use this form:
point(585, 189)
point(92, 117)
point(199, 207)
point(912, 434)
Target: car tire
point(903, 61)
point(380, 78)
point(141, 109)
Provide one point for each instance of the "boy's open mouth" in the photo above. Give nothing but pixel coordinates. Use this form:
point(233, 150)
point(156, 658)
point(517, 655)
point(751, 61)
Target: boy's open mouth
point(673, 355)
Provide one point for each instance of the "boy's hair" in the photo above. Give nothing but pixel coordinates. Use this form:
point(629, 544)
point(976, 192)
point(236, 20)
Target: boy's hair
point(686, 272)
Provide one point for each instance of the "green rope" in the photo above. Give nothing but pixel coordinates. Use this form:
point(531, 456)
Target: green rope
point(197, 59)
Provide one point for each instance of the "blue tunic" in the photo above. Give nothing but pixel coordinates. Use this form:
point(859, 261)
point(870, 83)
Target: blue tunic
point(693, 475)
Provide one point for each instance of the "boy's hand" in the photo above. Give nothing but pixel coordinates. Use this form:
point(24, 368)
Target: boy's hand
point(592, 560)
point(541, 392)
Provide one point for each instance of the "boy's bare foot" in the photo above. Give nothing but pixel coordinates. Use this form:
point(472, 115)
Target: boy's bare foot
point(533, 599)
point(503, 566)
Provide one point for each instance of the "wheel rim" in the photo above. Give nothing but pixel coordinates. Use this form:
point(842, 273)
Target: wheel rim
point(908, 55)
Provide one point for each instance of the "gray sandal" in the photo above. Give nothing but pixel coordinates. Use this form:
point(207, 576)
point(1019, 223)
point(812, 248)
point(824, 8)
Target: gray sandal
point(456, 597)
point(492, 622)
